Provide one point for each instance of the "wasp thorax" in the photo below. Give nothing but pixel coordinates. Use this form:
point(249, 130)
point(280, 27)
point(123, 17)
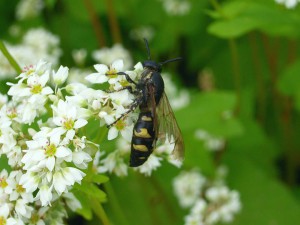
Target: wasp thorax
point(152, 65)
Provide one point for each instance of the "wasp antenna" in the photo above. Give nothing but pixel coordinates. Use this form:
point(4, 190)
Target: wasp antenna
point(170, 60)
point(147, 47)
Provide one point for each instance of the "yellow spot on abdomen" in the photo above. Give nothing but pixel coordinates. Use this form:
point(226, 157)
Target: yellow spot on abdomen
point(142, 148)
point(146, 118)
point(143, 133)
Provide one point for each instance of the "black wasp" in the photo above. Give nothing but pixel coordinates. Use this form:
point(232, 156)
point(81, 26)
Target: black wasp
point(156, 119)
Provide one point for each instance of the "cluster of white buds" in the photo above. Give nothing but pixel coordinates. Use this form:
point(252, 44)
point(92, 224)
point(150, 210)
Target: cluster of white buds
point(36, 44)
point(211, 142)
point(209, 202)
point(288, 3)
point(43, 136)
point(176, 7)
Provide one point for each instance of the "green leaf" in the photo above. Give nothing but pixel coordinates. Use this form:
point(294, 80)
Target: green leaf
point(240, 18)
point(91, 190)
point(212, 112)
point(99, 178)
point(232, 28)
point(264, 199)
point(85, 210)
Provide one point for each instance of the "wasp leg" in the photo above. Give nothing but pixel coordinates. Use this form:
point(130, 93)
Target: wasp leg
point(129, 88)
point(127, 77)
point(133, 106)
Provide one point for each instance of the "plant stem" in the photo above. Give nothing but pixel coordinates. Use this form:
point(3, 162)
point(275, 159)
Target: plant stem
point(9, 57)
point(99, 211)
point(236, 73)
point(113, 22)
point(261, 109)
point(113, 200)
point(95, 22)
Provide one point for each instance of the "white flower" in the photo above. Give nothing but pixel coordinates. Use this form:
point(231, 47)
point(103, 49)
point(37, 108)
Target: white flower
point(288, 3)
point(4, 187)
point(43, 152)
point(79, 56)
point(5, 217)
point(68, 118)
point(210, 142)
point(109, 55)
point(142, 32)
point(18, 191)
point(113, 163)
point(187, 187)
point(225, 204)
point(72, 202)
point(123, 126)
point(61, 75)
point(105, 73)
point(177, 7)
point(65, 177)
point(193, 219)
point(152, 163)
point(29, 8)
point(22, 208)
point(45, 195)
point(39, 69)
point(30, 181)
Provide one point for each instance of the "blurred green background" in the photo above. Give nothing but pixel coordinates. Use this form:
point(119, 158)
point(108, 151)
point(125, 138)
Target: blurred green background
point(241, 66)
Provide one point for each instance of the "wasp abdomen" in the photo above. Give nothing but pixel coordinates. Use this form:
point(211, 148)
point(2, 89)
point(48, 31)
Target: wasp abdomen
point(142, 139)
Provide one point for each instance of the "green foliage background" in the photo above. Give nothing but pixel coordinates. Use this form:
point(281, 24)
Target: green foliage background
point(252, 49)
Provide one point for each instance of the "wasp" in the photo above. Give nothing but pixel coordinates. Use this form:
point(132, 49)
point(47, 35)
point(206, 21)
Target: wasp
point(156, 120)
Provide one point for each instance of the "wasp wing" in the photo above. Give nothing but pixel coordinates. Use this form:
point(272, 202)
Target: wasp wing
point(168, 127)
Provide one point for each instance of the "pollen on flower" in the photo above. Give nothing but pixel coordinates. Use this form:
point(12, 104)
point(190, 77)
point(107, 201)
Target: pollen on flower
point(11, 113)
point(50, 150)
point(36, 89)
point(124, 83)
point(120, 124)
point(3, 182)
point(34, 218)
point(2, 220)
point(112, 72)
point(68, 124)
point(28, 70)
point(20, 188)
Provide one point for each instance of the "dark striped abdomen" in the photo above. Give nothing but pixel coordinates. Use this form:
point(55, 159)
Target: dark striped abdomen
point(142, 139)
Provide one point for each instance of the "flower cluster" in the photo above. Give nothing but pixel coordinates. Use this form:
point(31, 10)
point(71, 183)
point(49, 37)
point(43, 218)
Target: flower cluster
point(108, 55)
point(48, 148)
point(209, 202)
point(288, 3)
point(211, 142)
point(176, 7)
point(29, 8)
point(36, 44)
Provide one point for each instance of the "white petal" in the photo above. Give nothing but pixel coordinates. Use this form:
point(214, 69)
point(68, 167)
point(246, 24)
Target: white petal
point(70, 134)
point(118, 64)
point(4, 210)
point(80, 123)
point(59, 183)
point(101, 68)
point(96, 78)
point(50, 163)
point(47, 91)
point(112, 133)
point(62, 152)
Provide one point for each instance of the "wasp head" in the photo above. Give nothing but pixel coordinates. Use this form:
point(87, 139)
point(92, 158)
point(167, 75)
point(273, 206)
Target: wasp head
point(152, 65)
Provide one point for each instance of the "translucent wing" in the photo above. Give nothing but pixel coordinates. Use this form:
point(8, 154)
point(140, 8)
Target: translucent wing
point(168, 127)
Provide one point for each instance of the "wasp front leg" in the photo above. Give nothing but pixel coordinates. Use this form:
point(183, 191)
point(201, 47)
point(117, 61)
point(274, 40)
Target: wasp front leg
point(127, 77)
point(129, 88)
